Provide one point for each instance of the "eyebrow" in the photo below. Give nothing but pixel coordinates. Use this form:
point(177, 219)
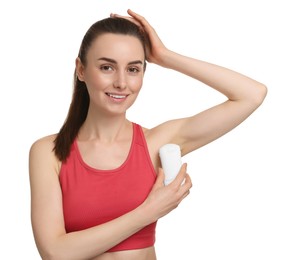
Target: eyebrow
point(115, 62)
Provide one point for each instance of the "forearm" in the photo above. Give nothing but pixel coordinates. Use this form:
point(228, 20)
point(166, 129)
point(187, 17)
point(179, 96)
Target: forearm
point(230, 83)
point(95, 241)
point(233, 85)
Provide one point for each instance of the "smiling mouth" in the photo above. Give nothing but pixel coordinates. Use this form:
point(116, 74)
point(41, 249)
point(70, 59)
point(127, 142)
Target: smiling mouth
point(116, 96)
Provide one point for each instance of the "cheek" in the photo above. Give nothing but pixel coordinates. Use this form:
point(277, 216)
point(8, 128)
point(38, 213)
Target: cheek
point(136, 83)
point(98, 82)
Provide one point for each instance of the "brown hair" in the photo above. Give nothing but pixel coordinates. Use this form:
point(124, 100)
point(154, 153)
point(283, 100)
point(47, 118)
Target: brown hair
point(79, 106)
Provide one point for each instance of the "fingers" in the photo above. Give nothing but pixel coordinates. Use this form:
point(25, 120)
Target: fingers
point(180, 177)
point(188, 181)
point(135, 18)
point(130, 18)
point(163, 199)
point(184, 190)
point(143, 22)
point(138, 17)
point(182, 182)
point(187, 185)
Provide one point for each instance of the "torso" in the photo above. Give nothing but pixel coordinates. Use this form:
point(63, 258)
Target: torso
point(119, 155)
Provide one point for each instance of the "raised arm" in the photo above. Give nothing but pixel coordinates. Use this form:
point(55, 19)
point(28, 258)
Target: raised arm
point(47, 212)
point(243, 95)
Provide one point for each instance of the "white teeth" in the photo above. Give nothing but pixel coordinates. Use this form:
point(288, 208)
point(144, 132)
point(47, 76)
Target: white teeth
point(115, 96)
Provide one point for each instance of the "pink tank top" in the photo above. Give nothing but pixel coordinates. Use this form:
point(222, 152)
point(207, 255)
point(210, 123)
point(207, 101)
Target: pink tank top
point(92, 197)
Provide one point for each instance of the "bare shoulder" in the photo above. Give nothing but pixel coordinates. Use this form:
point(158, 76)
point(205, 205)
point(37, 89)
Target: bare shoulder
point(41, 152)
point(164, 133)
point(44, 145)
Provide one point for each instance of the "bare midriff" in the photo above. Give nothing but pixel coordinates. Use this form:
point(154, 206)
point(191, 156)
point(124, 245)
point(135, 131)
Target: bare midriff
point(138, 254)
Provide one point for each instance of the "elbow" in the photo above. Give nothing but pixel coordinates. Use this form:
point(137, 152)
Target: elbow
point(51, 254)
point(57, 253)
point(259, 95)
point(263, 93)
point(48, 255)
point(46, 249)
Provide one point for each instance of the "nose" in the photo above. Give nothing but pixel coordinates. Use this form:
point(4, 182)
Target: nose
point(120, 81)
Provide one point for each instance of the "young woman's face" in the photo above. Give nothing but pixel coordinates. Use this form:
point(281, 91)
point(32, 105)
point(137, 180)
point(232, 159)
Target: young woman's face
point(114, 72)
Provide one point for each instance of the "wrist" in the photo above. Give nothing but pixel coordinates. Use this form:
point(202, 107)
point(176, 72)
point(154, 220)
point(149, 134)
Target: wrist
point(145, 214)
point(167, 59)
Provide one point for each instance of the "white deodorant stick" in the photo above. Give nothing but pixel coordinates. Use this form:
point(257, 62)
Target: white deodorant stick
point(170, 156)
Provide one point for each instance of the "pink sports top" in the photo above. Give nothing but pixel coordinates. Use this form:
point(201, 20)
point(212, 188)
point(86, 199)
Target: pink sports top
point(92, 197)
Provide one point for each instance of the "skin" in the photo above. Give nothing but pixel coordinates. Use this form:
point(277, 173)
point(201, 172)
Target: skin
point(118, 70)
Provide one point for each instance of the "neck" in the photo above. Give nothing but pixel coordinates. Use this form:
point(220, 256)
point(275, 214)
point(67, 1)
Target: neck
point(106, 128)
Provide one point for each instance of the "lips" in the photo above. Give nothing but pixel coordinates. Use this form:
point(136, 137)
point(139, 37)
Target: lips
point(117, 96)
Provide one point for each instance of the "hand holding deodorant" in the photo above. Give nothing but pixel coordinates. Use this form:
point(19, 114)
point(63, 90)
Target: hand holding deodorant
point(170, 156)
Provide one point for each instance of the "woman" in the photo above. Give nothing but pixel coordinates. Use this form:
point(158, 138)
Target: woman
point(97, 187)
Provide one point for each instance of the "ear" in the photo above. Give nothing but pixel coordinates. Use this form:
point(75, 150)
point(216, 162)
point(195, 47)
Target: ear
point(79, 68)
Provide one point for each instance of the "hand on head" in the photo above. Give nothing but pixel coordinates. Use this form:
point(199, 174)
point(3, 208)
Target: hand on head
point(155, 47)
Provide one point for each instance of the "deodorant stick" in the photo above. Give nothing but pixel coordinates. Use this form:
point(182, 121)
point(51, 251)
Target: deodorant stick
point(170, 156)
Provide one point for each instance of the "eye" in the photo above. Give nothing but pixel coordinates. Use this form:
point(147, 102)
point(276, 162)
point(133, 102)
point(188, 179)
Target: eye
point(106, 68)
point(133, 69)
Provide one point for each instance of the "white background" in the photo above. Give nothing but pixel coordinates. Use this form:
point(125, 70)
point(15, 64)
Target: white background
point(243, 204)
